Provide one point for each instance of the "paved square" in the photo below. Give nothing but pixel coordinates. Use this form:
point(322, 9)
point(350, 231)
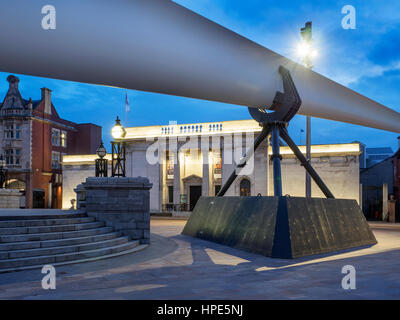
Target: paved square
point(179, 267)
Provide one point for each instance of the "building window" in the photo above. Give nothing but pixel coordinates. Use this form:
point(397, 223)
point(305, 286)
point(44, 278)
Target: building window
point(17, 131)
point(17, 158)
point(13, 157)
point(63, 139)
point(245, 190)
point(170, 165)
point(55, 160)
point(55, 137)
point(217, 165)
point(12, 130)
point(9, 131)
point(9, 156)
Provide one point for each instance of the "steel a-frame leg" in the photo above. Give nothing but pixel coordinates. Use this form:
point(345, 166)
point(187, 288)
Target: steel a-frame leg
point(260, 138)
point(299, 155)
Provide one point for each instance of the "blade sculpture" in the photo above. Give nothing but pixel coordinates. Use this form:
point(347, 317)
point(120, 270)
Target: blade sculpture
point(160, 46)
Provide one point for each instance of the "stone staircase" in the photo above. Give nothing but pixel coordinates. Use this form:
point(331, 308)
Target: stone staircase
point(28, 242)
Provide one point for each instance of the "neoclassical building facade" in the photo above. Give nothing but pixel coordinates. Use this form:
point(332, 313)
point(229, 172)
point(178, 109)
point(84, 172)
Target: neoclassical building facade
point(186, 161)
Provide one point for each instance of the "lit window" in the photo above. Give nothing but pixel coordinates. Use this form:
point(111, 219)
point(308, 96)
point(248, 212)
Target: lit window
point(63, 139)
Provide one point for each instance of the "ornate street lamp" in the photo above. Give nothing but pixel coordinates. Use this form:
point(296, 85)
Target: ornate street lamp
point(118, 158)
point(3, 172)
point(101, 163)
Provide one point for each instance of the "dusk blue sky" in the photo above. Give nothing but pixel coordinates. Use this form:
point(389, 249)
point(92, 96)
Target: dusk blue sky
point(366, 59)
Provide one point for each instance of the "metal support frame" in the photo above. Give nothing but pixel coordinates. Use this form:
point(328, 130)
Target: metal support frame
point(101, 169)
point(284, 107)
point(118, 159)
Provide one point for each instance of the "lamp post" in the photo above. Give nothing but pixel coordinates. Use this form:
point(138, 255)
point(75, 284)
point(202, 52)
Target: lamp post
point(3, 172)
point(118, 158)
point(101, 163)
point(307, 52)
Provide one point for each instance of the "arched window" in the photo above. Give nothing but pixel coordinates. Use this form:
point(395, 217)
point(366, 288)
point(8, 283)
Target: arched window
point(245, 188)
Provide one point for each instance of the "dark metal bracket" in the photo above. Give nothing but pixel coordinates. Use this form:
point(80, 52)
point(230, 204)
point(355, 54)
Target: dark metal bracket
point(275, 120)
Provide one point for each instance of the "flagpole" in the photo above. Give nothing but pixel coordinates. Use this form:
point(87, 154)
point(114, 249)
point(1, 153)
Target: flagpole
point(126, 111)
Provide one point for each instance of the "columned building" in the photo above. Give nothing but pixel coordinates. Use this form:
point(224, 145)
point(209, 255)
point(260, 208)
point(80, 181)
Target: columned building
point(186, 161)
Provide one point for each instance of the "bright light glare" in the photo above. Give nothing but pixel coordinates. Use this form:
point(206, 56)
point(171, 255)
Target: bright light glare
point(314, 53)
point(117, 132)
point(303, 49)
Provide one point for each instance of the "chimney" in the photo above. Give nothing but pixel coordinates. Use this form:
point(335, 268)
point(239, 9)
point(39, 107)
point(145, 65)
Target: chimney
point(46, 97)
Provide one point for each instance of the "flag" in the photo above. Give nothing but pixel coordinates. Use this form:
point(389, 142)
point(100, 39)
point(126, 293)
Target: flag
point(127, 107)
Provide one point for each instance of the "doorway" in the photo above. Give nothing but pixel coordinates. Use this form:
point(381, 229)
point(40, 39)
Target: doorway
point(38, 198)
point(195, 194)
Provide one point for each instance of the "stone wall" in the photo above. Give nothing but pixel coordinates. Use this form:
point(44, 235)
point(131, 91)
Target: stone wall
point(122, 203)
point(341, 174)
point(10, 198)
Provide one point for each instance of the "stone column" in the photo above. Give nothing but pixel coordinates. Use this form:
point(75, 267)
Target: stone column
point(163, 182)
point(228, 164)
point(177, 182)
point(385, 197)
point(205, 185)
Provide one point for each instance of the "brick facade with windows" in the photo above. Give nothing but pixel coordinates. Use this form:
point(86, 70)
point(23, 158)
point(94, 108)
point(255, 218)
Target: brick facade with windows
point(33, 139)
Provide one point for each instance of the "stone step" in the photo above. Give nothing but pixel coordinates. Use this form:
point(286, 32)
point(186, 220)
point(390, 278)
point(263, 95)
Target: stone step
point(54, 235)
point(44, 222)
point(43, 216)
point(56, 243)
point(107, 256)
point(15, 254)
point(60, 258)
point(49, 229)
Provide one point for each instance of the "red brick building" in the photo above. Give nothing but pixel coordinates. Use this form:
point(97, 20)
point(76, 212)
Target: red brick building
point(33, 139)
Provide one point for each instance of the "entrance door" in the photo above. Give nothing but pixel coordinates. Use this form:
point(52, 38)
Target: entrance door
point(195, 194)
point(38, 199)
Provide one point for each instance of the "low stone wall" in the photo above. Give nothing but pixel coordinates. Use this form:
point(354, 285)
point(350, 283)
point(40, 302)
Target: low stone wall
point(122, 203)
point(10, 198)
